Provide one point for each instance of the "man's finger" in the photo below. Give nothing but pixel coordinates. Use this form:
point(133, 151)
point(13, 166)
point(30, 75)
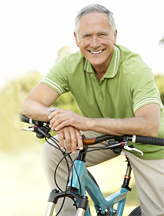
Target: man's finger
point(61, 139)
point(79, 140)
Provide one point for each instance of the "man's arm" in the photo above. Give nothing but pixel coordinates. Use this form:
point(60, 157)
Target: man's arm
point(145, 123)
point(36, 106)
point(37, 103)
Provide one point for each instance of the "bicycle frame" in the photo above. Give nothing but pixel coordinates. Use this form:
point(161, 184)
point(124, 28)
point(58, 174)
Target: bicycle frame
point(87, 184)
point(80, 182)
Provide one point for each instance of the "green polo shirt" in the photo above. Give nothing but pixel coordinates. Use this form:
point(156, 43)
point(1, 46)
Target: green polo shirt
point(127, 85)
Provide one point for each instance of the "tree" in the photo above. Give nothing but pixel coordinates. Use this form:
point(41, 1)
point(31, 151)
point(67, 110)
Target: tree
point(159, 80)
point(161, 42)
point(63, 51)
point(11, 98)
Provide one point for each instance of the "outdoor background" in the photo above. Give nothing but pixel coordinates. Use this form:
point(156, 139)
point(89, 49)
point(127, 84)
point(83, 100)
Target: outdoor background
point(34, 34)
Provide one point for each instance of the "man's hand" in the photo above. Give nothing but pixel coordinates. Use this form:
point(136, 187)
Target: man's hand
point(62, 118)
point(67, 125)
point(72, 138)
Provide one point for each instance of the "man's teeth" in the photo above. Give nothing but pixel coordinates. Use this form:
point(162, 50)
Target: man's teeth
point(96, 52)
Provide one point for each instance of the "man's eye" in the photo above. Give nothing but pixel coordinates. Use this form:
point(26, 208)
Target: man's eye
point(87, 36)
point(102, 34)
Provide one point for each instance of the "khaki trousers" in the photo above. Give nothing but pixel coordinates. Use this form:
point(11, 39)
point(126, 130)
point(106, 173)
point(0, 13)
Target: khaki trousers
point(149, 177)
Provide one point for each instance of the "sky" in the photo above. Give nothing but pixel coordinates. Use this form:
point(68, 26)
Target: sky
point(32, 32)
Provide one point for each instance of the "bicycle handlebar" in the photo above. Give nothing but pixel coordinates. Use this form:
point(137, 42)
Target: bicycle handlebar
point(132, 138)
point(91, 141)
point(40, 128)
point(26, 119)
point(148, 140)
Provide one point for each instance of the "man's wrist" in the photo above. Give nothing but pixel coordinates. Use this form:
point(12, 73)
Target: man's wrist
point(50, 110)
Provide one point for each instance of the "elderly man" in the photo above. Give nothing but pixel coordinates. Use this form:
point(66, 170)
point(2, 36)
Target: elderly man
point(116, 94)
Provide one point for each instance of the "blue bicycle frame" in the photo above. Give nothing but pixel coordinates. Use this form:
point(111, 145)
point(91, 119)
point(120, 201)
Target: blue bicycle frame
point(81, 180)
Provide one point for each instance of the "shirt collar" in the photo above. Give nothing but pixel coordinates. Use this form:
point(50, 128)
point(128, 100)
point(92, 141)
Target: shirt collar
point(113, 66)
point(87, 66)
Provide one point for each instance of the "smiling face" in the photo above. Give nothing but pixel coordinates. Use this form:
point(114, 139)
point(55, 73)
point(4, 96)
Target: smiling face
point(96, 40)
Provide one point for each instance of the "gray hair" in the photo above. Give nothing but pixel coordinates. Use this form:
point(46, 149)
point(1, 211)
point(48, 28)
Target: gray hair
point(95, 8)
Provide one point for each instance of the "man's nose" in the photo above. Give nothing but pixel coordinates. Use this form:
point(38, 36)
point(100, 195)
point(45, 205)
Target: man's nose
point(95, 42)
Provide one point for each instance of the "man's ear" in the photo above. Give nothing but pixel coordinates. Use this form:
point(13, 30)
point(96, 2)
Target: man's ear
point(76, 39)
point(115, 36)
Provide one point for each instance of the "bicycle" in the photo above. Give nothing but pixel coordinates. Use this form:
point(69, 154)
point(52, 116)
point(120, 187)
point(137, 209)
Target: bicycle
point(80, 181)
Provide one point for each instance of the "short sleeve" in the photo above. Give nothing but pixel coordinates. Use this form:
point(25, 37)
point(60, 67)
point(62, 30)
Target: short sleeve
point(57, 78)
point(143, 89)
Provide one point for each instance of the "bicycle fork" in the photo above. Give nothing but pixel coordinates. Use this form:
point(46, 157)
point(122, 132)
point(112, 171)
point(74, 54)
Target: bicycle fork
point(71, 193)
point(51, 207)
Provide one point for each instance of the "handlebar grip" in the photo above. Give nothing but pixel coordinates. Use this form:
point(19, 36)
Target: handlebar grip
point(89, 141)
point(25, 119)
point(149, 140)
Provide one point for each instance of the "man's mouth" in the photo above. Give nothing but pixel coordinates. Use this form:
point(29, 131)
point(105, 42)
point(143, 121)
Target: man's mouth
point(96, 52)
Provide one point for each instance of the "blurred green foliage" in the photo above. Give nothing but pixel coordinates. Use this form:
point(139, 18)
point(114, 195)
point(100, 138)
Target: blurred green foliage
point(11, 98)
point(159, 80)
point(161, 42)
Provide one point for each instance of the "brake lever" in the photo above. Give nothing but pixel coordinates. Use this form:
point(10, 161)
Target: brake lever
point(133, 149)
point(28, 129)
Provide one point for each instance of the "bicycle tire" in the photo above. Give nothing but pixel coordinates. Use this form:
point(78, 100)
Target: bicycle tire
point(136, 212)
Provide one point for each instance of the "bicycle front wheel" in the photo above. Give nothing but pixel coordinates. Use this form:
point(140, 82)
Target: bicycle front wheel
point(136, 212)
